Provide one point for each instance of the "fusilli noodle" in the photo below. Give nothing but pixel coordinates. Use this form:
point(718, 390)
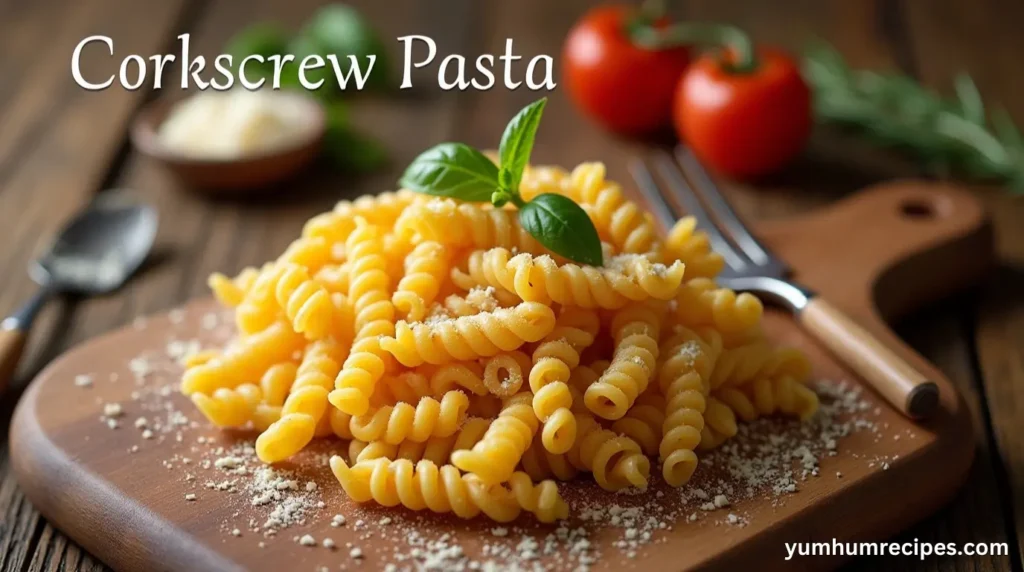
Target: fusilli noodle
point(553, 361)
point(636, 331)
point(540, 279)
point(469, 337)
point(444, 489)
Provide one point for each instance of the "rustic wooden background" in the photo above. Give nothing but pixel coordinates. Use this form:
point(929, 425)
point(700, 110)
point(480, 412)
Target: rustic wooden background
point(60, 146)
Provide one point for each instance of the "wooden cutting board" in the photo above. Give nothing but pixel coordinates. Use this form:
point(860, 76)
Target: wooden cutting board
point(121, 492)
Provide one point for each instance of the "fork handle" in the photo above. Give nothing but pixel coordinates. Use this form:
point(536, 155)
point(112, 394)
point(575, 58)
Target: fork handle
point(898, 381)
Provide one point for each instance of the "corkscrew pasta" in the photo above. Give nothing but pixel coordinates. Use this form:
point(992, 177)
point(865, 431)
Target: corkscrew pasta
point(624, 279)
point(444, 489)
point(463, 368)
point(553, 361)
point(636, 330)
point(481, 335)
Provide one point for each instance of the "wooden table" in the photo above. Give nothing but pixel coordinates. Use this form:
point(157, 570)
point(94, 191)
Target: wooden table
point(61, 145)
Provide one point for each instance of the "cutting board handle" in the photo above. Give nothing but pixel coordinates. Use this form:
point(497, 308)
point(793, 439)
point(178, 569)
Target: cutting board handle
point(890, 249)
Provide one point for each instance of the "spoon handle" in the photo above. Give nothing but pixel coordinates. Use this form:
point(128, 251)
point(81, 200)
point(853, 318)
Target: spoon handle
point(14, 333)
point(12, 344)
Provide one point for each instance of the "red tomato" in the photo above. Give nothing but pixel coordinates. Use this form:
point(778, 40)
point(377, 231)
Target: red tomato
point(624, 87)
point(744, 124)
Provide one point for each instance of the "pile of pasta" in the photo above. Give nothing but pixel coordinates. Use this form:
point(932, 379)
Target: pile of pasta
point(468, 369)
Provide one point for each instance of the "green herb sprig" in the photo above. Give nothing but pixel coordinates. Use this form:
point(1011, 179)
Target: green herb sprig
point(949, 134)
point(458, 171)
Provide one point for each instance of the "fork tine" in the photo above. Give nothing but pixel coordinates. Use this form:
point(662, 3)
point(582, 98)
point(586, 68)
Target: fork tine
point(713, 196)
point(649, 189)
point(673, 177)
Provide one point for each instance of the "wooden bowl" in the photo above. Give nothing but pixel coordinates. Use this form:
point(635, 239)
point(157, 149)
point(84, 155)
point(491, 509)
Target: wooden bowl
point(234, 175)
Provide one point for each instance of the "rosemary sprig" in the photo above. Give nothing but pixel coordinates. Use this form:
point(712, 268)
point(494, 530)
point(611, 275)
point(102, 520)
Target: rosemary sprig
point(948, 134)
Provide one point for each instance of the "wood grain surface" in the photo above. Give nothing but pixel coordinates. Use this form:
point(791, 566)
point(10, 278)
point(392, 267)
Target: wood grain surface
point(118, 498)
point(59, 146)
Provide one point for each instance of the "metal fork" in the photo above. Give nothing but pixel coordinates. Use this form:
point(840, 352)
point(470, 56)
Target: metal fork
point(751, 267)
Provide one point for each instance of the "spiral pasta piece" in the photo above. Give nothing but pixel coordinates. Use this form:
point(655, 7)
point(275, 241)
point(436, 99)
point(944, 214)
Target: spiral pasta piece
point(465, 225)
point(687, 362)
point(757, 360)
point(231, 291)
point(244, 362)
point(553, 361)
point(539, 463)
point(468, 375)
point(643, 422)
point(504, 373)
point(229, 407)
point(719, 424)
point(334, 277)
point(277, 381)
point(636, 330)
point(475, 301)
point(494, 458)
point(765, 397)
point(339, 423)
point(406, 386)
point(402, 422)
point(259, 309)
point(469, 337)
point(425, 269)
point(582, 378)
point(616, 461)
point(306, 303)
point(263, 416)
point(685, 243)
point(374, 319)
point(305, 405)
point(622, 280)
point(437, 450)
point(425, 486)
point(381, 210)
point(199, 358)
point(363, 451)
point(701, 302)
point(311, 253)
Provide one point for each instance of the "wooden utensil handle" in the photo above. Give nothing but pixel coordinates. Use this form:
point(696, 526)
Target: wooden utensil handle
point(899, 382)
point(12, 344)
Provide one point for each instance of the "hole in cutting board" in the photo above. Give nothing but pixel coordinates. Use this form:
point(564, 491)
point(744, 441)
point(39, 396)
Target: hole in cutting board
point(917, 209)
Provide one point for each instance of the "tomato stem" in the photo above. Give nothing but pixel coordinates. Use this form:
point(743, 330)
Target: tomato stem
point(700, 34)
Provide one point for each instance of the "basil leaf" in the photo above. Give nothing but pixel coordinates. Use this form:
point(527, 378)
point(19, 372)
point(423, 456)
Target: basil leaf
point(562, 227)
point(452, 170)
point(517, 141)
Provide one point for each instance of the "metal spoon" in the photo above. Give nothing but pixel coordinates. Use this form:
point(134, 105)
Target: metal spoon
point(94, 254)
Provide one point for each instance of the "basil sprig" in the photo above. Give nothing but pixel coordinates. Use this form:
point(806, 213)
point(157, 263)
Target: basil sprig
point(458, 171)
